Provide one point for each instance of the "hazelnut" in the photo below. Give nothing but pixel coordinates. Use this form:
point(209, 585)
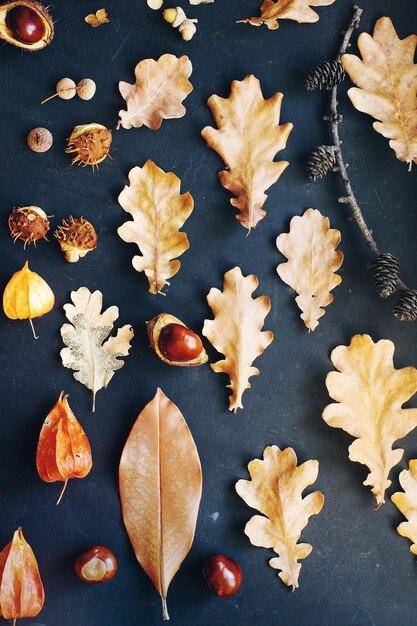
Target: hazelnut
point(40, 139)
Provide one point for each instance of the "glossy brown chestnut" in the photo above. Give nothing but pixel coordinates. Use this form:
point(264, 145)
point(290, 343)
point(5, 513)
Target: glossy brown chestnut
point(26, 24)
point(179, 343)
point(223, 575)
point(96, 565)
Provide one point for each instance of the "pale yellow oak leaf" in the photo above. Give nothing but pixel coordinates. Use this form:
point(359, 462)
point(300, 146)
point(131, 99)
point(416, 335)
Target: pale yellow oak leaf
point(386, 79)
point(276, 490)
point(369, 394)
point(406, 502)
point(236, 330)
point(297, 10)
point(310, 248)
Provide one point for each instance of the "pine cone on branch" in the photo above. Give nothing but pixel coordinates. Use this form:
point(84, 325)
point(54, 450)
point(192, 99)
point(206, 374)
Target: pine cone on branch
point(325, 76)
point(386, 274)
point(406, 306)
point(321, 161)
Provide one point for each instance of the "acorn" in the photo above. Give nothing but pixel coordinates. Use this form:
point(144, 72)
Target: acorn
point(28, 223)
point(76, 237)
point(90, 143)
point(26, 24)
point(174, 342)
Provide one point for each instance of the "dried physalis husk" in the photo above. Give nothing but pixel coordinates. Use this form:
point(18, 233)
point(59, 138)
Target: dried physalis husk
point(26, 296)
point(28, 223)
point(76, 237)
point(63, 450)
point(21, 589)
point(97, 18)
point(90, 143)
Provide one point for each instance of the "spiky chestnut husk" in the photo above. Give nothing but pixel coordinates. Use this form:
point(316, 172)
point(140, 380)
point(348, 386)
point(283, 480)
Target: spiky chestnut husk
point(386, 274)
point(42, 12)
point(406, 306)
point(90, 143)
point(76, 237)
point(325, 76)
point(28, 223)
point(154, 328)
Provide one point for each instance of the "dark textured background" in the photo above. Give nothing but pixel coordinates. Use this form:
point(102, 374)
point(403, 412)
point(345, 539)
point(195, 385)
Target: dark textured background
point(361, 572)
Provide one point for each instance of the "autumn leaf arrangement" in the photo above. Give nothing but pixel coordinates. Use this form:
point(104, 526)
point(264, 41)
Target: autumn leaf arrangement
point(386, 80)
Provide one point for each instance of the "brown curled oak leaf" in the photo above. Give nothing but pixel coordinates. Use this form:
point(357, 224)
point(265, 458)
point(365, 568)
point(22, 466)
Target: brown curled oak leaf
point(296, 10)
point(158, 92)
point(21, 589)
point(276, 490)
point(160, 484)
point(310, 248)
point(369, 394)
point(159, 210)
point(386, 79)
point(248, 138)
point(406, 502)
point(236, 331)
point(97, 18)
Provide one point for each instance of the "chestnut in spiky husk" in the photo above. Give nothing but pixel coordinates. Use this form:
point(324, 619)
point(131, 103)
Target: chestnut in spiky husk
point(76, 237)
point(28, 223)
point(26, 24)
point(174, 342)
point(90, 143)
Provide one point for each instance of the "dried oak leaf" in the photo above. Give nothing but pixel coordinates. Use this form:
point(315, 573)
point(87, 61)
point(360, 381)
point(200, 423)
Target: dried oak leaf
point(297, 10)
point(93, 359)
point(160, 484)
point(276, 491)
point(369, 394)
point(158, 92)
point(247, 139)
point(97, 18)
point(406, 502)
point(310, 248)
point(386, 77)
point(159, 210)
point(236, 330)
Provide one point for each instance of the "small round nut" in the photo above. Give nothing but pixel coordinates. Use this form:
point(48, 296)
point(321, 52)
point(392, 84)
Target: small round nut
point(66, 88)
point(170, 15)
point(40, 139)
point(86, 89)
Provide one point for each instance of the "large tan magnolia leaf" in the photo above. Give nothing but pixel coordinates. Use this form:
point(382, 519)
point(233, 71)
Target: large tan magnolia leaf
point(160, 484)
point(89, 351)
point(406, 502)
point(386, 77)
point(276, 491)
point(159, 210)
point(247, 139)
point(297, 10)
point(158, 92)
point(236, 330)
point(369, 394)
point(310, 248)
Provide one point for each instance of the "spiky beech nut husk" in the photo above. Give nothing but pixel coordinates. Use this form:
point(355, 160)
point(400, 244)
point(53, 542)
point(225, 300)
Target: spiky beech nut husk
point(90, 143)
point(76, 237)
point(26, 24)
point(174, 342)
point(28, 223)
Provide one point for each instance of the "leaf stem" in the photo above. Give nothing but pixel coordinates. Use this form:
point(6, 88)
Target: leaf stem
point(334, 120)
point(165, 615)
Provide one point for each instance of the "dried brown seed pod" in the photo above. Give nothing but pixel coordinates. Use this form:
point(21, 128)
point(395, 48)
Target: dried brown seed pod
point(90, 143)
point(76, 237)
point(86, 89)
point(29, 223)
point(65, 89)
point(40, 139)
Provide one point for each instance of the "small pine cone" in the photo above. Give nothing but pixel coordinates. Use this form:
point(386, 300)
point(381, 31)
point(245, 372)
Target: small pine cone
point(386, 274)
point(320, 162)
point(325, 76)
point(406, 306)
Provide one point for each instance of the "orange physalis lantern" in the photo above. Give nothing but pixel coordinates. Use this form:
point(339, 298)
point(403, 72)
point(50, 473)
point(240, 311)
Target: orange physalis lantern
point(26, 296)
point(21, 589)
point(63, 449)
